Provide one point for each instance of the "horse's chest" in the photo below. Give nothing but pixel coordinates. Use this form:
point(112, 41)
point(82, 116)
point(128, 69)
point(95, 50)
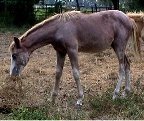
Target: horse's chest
point(59, 46)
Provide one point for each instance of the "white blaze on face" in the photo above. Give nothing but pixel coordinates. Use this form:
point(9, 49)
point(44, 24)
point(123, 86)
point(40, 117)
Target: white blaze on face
point(12, 65)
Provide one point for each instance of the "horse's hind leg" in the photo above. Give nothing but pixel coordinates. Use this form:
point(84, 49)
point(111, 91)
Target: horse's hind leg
point(73, 55)
point(127, 75)
point(59, 68)
point(119, 50)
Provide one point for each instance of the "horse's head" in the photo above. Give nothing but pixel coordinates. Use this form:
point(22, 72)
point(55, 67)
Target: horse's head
point(19, 57)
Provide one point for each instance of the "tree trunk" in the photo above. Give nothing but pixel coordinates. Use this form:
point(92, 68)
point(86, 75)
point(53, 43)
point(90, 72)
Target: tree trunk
point(78, 7)
point(116, 4)
point(56, 6)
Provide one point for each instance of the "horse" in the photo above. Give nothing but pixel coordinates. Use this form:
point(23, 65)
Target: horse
point(73, 32)
point(139, 19)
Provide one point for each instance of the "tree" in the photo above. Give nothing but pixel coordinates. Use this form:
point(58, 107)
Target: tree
point(24, 12)
point(18, 12)
point(58, 6)
point(77, 3)
point(137, 5)
point(1, 6)
point(116, 4)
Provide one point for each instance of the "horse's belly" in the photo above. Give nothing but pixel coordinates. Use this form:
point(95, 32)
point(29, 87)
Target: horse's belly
point(94, 47)
point(95, 42)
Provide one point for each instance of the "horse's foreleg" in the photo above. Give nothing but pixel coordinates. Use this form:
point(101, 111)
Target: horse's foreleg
point(79, 87)
point(59, 69)
point(73, 55)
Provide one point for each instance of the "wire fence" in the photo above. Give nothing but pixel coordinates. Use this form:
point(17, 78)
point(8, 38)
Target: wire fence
point(45, 10)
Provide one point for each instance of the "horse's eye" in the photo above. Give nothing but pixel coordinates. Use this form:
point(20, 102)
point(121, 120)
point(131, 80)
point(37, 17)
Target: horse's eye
point(14, 56)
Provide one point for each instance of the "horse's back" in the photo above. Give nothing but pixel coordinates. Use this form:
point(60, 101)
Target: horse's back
point(96, 31)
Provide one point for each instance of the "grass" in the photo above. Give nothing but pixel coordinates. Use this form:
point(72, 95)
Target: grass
point(24, 113)
point(49, 112)
point(12, 29)
point(100, 107)
point(129, 108)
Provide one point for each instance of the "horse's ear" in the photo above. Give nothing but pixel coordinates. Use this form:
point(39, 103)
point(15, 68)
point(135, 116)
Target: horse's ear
point(17, 42)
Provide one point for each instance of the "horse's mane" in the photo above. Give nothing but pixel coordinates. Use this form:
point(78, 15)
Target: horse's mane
point(60, 17)
point(137, 16)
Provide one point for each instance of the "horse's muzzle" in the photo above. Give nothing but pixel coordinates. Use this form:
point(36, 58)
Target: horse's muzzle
point(15, 71)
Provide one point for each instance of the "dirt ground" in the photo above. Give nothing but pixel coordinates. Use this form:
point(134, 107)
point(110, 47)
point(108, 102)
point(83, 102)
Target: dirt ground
point(99, 71)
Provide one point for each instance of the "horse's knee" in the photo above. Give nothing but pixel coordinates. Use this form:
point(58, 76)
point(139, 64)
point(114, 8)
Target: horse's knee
point(58, 74)
point(76, 74)
point(54, 94)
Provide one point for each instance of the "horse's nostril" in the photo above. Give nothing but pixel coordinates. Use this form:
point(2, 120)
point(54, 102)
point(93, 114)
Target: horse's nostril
point(15, 71)
point(14, 56)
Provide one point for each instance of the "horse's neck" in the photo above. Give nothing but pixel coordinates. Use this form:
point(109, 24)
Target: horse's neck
point(39, 38)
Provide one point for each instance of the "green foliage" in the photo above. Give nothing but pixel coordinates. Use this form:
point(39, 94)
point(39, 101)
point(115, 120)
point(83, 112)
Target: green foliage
point(41, 14)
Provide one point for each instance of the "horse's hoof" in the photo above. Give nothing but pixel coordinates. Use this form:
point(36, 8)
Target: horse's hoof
point(51, 101)
point(115, 97)
point(79, 104)
point(125, 94)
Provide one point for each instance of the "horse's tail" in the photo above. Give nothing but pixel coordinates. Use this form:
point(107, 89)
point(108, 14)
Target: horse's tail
point(135, 39)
